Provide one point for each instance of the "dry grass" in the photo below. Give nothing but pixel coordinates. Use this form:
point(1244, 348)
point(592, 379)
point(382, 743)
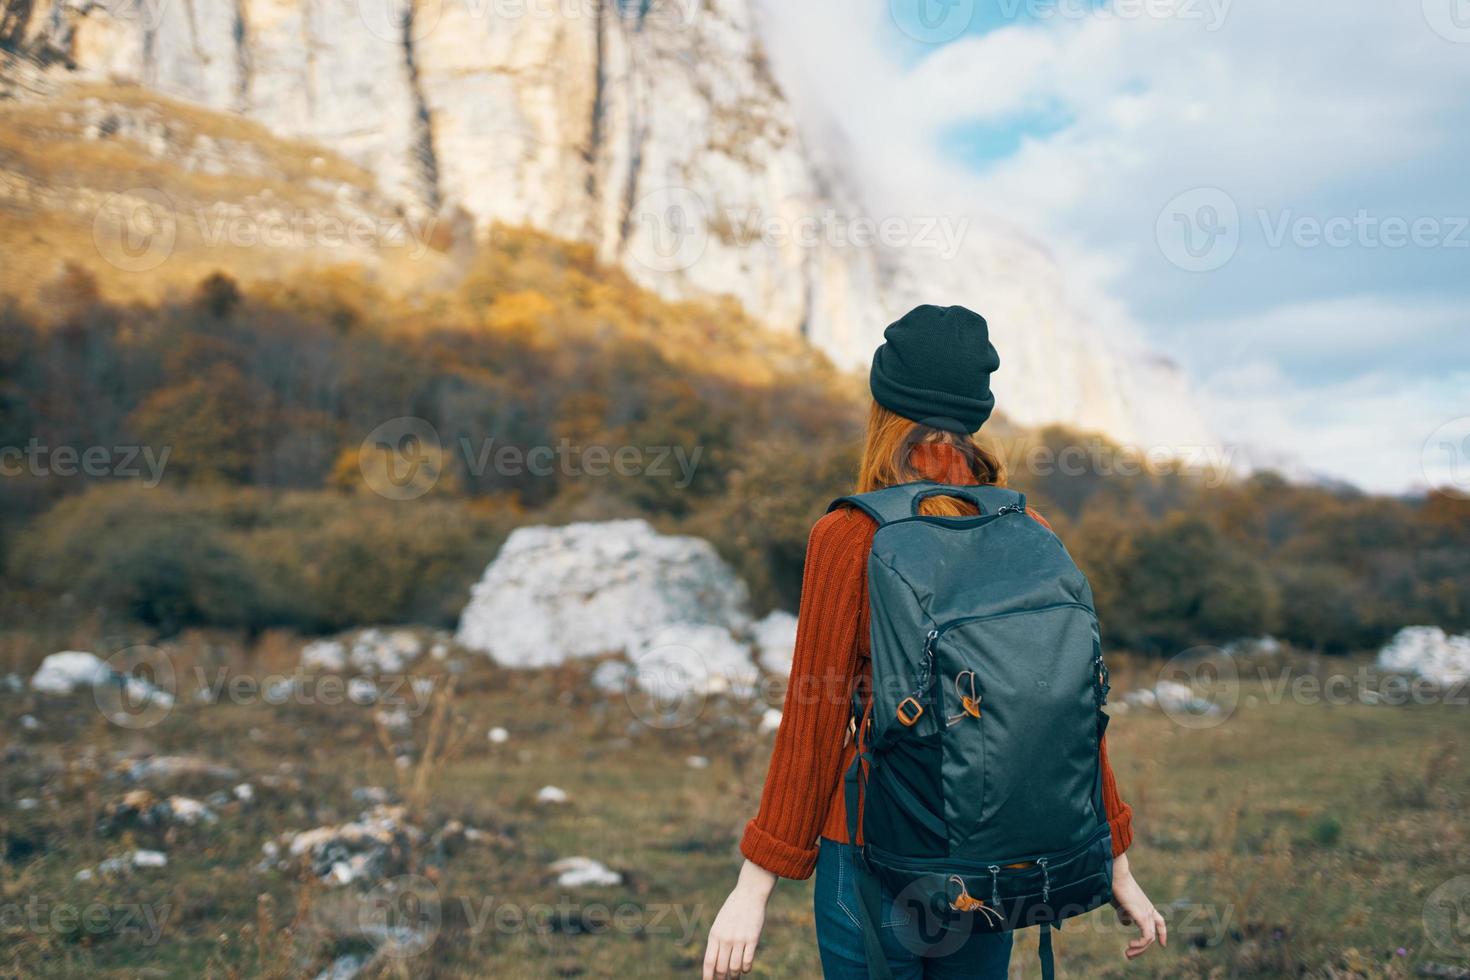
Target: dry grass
point(1235, 834)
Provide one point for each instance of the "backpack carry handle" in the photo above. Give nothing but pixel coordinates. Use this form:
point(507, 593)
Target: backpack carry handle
point(961, 493)
point(901, 502)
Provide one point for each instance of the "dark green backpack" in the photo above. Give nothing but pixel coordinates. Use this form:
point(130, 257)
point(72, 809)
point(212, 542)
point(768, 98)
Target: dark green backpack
point(977, 784)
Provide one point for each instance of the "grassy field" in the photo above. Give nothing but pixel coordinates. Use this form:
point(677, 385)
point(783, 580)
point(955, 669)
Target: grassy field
point(1293, 839)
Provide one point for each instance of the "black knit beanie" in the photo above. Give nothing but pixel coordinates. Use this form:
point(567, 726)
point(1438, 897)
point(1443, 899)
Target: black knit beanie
point(934, 367)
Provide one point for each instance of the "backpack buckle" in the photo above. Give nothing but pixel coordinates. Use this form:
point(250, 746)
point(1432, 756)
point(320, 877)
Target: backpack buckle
point(909, 711)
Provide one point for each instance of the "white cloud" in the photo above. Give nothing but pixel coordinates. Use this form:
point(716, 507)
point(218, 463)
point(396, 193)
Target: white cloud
point(1369, 430)
point(1312, 107)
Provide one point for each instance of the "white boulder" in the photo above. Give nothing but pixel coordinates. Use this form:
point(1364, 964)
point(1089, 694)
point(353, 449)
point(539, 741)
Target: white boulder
point(555, 594)
point(684, 658)
point(1428, 652)
point(775, 641)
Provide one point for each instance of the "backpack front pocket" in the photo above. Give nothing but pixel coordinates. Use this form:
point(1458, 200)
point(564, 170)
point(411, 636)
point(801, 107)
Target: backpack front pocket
point(1018, 730)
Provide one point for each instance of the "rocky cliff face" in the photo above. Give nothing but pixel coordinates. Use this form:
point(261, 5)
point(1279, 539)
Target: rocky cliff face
point(652, 128)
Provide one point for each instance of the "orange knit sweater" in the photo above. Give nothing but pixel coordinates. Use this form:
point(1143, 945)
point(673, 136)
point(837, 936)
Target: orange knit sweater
point(803, 795)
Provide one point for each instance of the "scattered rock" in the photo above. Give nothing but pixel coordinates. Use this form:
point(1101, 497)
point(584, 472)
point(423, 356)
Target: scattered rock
point(770, 721)
point(367, 849)
point(124, 863)
point(552, 794)
point(74, 670)
point(372, 651)
point(361, 690)
point(30, 723)
point(455, 831)
point(325, 655)
point(396, 721)
point(377, 651)
point(244, 792)
point(1170, 696)
point(1142, 698)
point(68, 671)
point(498, 736)
point(1258, 646)
point(775, 641)
point(697, 762)
point(160, 769)
point(142, 808)
point(280, 690)
point(583, 872)
point(190, 812)
point(1427, 652)
point(343, 967)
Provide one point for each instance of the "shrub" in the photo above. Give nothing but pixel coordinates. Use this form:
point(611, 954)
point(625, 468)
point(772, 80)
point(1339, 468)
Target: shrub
point(761, 523)
point(252, 559)
point(143, 554)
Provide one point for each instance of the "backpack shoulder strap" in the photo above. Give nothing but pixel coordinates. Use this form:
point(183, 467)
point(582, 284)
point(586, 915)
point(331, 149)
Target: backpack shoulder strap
point(901, 502)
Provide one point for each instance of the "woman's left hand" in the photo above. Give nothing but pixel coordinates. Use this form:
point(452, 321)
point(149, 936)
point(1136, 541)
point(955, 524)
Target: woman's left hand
point(1134, 909)
point(730, 951)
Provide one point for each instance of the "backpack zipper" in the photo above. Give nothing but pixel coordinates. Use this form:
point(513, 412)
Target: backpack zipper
point(944, 628)
point(926, 666)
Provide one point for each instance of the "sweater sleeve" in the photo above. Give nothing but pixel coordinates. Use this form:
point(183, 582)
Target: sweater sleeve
point(806, 760)
point(1120, 814)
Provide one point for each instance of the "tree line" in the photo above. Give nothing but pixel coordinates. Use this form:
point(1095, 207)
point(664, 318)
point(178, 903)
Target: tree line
point(318, 453)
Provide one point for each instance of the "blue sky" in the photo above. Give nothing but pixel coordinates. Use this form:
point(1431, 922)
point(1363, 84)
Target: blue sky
point(1275, 193)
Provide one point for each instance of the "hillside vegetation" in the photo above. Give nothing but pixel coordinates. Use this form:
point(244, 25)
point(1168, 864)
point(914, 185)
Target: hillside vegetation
point(259, 422)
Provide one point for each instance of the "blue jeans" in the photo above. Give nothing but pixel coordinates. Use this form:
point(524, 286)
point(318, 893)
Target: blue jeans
point(981, 956)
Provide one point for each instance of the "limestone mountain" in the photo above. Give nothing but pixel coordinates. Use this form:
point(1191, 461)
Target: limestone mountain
point(653, 129)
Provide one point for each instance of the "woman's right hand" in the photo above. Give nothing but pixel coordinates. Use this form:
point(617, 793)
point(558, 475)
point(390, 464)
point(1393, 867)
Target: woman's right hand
point(730, 951)
point(1134, 909)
